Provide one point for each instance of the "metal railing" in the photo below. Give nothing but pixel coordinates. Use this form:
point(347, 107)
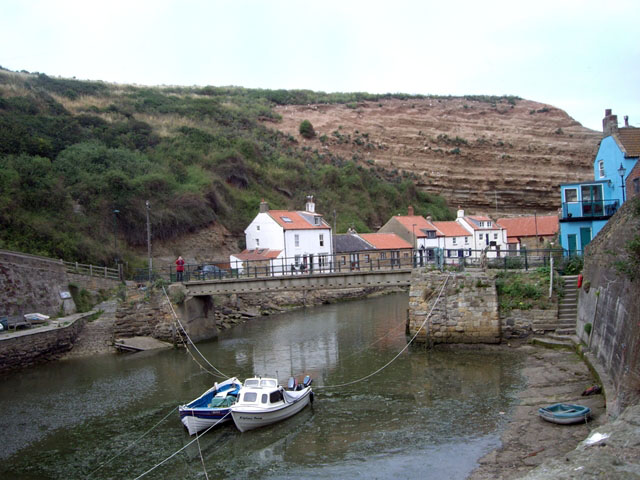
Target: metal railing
point(330, 264)
point(589, 209)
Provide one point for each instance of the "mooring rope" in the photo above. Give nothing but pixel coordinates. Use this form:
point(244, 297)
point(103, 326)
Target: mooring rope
point(201, 457)
point(132, 443)
point(181, 449)
point(177, 319)
point(399, 353)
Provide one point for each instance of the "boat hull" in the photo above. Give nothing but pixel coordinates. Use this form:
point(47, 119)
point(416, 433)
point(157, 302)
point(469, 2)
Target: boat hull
point(565, 414)
point(196, 420)
point(249, 418)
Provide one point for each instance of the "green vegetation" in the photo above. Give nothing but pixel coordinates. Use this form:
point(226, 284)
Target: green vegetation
point(523, 290)
point(306, 129)
point(629, 265)
point(72, 152)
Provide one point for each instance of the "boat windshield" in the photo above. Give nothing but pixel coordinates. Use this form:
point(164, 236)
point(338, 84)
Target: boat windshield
point(251, 382)
point(268, 382)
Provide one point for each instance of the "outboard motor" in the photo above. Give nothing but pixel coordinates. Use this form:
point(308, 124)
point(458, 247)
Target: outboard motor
point(293, 383)
point(307, 381)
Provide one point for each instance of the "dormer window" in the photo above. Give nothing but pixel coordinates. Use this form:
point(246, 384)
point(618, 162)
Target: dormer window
point(488, 224)
point(316, 220)
point(601, 168)
point(481, 224)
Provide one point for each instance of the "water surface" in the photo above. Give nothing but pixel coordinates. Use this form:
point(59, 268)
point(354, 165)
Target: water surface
point(430, 414)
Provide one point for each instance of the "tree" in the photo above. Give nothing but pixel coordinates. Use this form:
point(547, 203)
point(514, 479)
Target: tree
point(306, 129)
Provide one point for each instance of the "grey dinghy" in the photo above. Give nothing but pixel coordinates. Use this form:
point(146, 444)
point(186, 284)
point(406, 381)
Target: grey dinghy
point(262, 401)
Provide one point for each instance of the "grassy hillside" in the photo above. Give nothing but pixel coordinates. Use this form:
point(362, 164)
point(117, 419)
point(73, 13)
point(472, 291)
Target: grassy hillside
point(72, 152)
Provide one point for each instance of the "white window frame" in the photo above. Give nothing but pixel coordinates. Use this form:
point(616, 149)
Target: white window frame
point(572, 189)
point(321, 238)
point(454, 240)
point(466, 240)
point(296, 239)
point(601, 168)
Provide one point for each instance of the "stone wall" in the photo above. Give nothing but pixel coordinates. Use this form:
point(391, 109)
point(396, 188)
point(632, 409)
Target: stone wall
point(93, 284)
point(32, 284)
point(610, 302)
point(144, 313)
point(522, 323)
point(467, 311)
point(29, 347)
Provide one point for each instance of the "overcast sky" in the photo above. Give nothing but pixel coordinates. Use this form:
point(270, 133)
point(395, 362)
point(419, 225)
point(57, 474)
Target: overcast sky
point(580, 56)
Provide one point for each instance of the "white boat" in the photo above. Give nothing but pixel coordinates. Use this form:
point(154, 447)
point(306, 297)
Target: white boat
point(212, 407)
point(261, 402)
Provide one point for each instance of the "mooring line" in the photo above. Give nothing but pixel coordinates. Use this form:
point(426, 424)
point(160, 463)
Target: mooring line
point(181, 449)
point(399, 353)
point(175, 316)
point(131, 444)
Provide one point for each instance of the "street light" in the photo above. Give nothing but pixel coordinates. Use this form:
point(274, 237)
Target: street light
point(149, 239)
point(415, 246)
point(621, 172)
point(115, 232)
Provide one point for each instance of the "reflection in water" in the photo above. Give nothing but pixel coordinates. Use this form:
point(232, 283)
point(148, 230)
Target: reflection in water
point(430, 413)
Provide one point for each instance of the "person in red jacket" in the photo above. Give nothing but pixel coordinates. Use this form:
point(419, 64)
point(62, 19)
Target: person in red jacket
point(179, 268)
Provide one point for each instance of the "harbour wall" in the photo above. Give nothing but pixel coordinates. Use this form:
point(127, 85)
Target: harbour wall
point(465, 312)
point(609, 306)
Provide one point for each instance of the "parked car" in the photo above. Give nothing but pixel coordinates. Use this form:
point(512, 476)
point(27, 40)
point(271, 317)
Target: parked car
point(209, 272)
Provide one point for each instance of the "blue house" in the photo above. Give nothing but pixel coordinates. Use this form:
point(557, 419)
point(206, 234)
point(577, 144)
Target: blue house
point(588, 205)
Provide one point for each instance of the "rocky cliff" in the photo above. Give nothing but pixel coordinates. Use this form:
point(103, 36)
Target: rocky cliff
point(492, 155)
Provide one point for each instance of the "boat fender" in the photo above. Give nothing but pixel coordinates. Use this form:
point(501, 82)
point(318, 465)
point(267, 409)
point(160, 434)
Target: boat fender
point(307, 381)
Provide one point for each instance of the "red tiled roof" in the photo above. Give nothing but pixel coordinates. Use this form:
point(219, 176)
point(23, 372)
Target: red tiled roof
point(526, 226)
point(258, 254)
point(298, 222)
point(452, 229)
point(408, 222)
point(629, 137)
point(385, 241)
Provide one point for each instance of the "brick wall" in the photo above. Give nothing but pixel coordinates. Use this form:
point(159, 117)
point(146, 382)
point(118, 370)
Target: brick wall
point(632, 183)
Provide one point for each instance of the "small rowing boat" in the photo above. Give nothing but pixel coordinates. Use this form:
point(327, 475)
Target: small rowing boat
point(565, 413)
point(212, 407)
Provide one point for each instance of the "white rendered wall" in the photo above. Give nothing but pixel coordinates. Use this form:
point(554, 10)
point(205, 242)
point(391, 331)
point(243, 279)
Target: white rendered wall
point(267, 231)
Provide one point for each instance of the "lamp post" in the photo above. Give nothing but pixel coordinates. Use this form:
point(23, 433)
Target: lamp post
point(149, 239)
point(415, 247)
point(550, 269)
point(115, 232)
point(621, 172)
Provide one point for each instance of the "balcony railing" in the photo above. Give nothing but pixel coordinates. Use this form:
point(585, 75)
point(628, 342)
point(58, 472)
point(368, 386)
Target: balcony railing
point(589, 209)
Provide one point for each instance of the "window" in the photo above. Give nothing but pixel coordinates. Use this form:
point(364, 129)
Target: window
point(601, 168)
point(481, 224)
point(383, 255)
point(316, 220)
point(570, 195)
point(466, 240)
point(257, 242)
point(250, 397)
point(495, 236)
point(258, 227)
point(454, 240)
point(264, 398)
point(297, 260)
point(366, 258)
point(322, 240)
point(286, 220)
point(488, 224)
point(431, 234)
point(296, 240)
point(275, 397)
point(344, 260)
point(636, 185)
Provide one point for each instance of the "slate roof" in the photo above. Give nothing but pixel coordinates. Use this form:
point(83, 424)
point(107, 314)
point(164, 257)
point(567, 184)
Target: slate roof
point(629, 138)
point(385, 241)
point(350, 242)
point(473, 221)
point(297, 220)
point(547, 225)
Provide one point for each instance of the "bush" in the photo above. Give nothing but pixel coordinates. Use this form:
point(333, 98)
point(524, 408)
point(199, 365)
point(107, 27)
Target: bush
point(306, 129)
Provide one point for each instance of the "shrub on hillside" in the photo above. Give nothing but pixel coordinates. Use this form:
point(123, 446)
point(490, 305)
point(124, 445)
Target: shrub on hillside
point(306, 129)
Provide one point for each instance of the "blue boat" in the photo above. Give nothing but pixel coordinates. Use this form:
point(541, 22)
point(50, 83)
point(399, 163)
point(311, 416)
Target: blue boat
point(212, 407)
point(565, 413)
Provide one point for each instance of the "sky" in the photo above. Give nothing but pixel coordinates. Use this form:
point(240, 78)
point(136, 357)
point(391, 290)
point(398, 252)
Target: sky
point(580, 56)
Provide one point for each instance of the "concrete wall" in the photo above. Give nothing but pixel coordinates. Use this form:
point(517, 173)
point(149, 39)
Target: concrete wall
point(29, 347)
point(32, 284)
point(467, 311)
point(610, 302)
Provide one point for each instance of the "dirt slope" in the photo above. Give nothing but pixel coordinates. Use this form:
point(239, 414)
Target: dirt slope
point(474, 153)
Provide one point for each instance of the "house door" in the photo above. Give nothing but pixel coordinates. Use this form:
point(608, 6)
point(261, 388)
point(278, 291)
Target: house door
point(355, 261)
point(573, 244)
point(585, 237)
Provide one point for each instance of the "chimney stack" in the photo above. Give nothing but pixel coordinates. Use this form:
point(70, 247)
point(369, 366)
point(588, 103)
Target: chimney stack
point(264, 206)
point(609, 123)
point(311, 206)
point(460, 212)
point(626, 120)
point(410, 211)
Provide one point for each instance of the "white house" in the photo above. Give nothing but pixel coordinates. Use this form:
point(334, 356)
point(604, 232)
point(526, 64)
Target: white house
point(486, 233)
point(302, 238)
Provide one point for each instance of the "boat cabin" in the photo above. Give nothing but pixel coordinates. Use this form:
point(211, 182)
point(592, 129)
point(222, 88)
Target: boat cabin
point(261, 392)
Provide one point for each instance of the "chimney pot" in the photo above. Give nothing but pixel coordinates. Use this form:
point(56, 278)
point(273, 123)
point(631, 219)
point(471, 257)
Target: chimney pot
point(609, 123)
point(410, 211)
point(264, 206)
point(626, 120)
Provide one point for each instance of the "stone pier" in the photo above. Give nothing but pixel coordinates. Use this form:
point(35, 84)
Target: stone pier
point(466, 312)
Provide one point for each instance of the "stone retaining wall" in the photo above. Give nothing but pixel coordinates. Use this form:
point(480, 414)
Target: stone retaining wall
point(522, 323)
point(29, 347)
point(467, 311)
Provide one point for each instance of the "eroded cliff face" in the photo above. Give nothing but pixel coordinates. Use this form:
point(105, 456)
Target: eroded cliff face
point(476, 154)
